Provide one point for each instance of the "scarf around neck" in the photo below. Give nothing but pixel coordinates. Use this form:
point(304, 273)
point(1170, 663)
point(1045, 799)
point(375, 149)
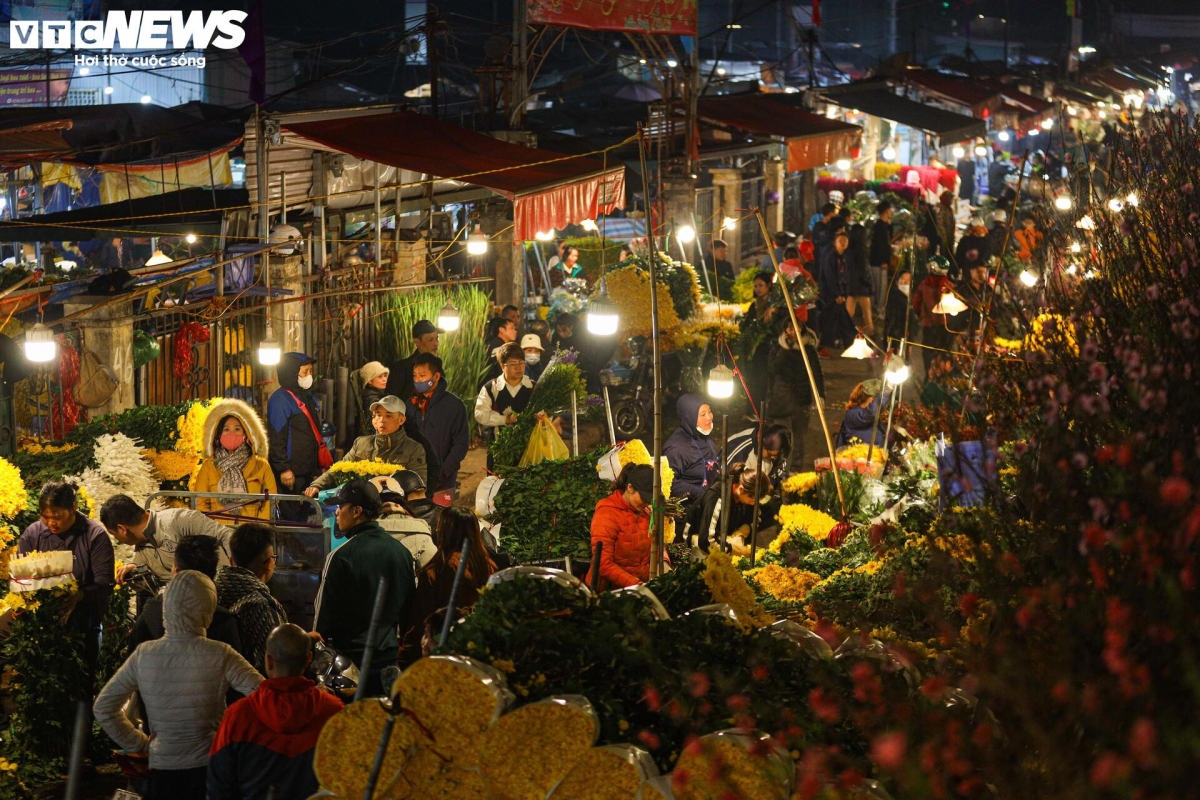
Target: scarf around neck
point(230, 466)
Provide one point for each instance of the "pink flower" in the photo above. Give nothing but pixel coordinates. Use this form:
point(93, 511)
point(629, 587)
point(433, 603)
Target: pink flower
point(888, 750)
point(1175, 490)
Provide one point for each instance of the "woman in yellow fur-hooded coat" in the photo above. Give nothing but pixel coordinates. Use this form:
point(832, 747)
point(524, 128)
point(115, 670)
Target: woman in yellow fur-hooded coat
point(235, 460)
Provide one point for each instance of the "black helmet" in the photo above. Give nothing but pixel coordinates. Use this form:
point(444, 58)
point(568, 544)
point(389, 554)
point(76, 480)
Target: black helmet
point(409, 481)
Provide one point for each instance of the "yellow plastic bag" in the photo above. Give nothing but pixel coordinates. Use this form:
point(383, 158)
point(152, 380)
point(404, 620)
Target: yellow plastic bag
point(545, 443)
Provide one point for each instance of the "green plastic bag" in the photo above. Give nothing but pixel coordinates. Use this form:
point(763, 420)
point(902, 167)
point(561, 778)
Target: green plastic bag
point(545, 444)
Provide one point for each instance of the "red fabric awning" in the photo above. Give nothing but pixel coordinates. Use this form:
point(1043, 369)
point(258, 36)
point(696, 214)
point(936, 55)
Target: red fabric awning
point(548, 190)
point(970, 93)
point(812, 140)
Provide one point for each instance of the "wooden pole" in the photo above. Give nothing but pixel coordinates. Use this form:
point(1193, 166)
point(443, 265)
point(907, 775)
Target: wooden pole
point(657, 516)
point(812, 379)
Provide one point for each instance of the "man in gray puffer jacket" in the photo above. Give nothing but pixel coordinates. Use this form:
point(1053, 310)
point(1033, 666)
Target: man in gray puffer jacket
point(182, 679)
point(389, 444)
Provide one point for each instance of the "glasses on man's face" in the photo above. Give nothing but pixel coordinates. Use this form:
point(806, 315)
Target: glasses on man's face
point(514, 364)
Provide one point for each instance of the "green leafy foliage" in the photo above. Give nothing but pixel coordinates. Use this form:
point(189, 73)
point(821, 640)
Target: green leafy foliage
point(551, 394)
point(545, 510)
point(153, 426)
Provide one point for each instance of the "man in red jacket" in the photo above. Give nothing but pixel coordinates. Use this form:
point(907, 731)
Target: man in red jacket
point(264, 747)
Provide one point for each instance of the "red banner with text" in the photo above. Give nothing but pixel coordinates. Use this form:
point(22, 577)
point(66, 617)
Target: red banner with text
point(666, 17)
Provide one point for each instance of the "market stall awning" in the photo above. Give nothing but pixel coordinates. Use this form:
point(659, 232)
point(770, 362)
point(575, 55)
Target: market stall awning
point(946, 125)
point(1029, 109)
point(812, 140)
point(975, 95)
point(549, 190)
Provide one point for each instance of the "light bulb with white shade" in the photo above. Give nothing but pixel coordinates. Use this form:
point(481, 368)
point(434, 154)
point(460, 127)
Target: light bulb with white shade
point(981, 151)
point(1086, 223)
point(1076, 247)
point(1115, 205)
point(477, 242)
point(1063, 202)
point(858, 349)
point(157, 259)
point(1047, 124)
point(1028, 277)
point(1034, 131)
point(950, 305)
point(589, 225)
point(897, 371)
point(720, 382)
point(448, 318)
point(269, 351)
point(603, 317)
point(544, 236)
point(843, 164)
point(190, 238)
point(1002, 136)
point(40, 347)
point(686, 234)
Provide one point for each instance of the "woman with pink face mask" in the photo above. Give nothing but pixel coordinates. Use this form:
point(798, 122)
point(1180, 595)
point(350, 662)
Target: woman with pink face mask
point(234, 441)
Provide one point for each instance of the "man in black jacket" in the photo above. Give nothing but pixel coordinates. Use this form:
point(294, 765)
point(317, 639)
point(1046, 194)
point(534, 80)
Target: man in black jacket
point(881, 251)
point(425, 336)
point(441, 417)
point(791, 394)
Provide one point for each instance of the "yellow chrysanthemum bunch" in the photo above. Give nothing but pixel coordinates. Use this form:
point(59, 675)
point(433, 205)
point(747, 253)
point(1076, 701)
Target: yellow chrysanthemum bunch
point(365, 469)
point(171, 465)
point(800, 483)
point(634, 452)
point(1047, 330)
point(799, 517)
point(788, 584)
point(190, 428)
point(629, 288)
point(729, 587)
point(860, 451)
point(37, 449)
point(84, 503)
point(13, 499)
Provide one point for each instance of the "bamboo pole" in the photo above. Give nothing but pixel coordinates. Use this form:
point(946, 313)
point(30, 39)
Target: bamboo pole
point(657, 537)
point(812, 379)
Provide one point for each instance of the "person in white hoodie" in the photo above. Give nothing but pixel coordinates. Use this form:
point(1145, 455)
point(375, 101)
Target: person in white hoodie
point(182, 679)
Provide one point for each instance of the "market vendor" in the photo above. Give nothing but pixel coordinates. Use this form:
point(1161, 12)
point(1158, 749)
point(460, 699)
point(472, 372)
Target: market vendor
point(862, 415)
point(621, 526)
point(690, 450)
point(500, 400)
point(60, 526)
point(389, 444)
point(154, 534)
point(747, 485)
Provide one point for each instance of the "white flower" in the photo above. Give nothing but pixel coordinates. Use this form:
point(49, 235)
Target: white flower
point(121, 469)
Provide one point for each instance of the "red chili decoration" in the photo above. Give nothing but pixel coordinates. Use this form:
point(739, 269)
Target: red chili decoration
point(64, 411)
point(190, 333)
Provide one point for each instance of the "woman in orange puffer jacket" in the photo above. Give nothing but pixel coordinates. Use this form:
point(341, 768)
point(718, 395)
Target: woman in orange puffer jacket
point(622, 524)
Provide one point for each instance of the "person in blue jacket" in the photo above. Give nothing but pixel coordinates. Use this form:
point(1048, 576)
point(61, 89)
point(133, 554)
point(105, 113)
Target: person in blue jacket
point(692, 455)
point(860, 415)
point(292, 434)
point(441, 418)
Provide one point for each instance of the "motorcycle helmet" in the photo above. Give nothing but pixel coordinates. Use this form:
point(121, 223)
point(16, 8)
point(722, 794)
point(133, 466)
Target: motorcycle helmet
point(938, 265)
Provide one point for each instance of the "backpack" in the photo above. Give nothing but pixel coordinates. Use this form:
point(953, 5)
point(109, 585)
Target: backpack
point(97, 380)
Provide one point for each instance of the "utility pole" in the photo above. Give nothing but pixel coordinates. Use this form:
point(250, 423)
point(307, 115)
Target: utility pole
point(431, 21)
point(894, 27)
point(520, 67)
point(810, 36)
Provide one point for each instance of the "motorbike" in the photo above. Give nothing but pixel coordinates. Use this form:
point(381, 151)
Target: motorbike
point(334, 670)
point(630, 388)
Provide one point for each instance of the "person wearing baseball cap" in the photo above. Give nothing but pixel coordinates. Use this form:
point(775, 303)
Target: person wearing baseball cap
point(425, 337)
point(351, 578)
point(389, 444)
point(621, 528)
point(531, 343)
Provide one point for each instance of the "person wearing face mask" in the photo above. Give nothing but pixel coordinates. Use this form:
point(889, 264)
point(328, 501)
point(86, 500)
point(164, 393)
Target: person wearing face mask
point(234, 443)
point(297, 453)
point(621, 524)
point(690, 451)
point(532, 345)
point(898, 322)
point(389, 444)
point(441, 418)
point(374, 377)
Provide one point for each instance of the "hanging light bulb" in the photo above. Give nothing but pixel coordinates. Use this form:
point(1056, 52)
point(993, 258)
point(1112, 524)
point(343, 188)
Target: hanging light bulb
point(889, 153)
point(190, 238)
point(544, 236)
point(958, 151)
point(477, 242)
point(728, 224)
point(158, 259)
point(686, 234)
point(269, 351)
point(858, 348)
point(843, 164)
point(1034, 131)
point(448, 319)
point(589, 225)
point(897, 371)
point(40, 347)
point(981, 151)
point(603, 315)
point(1072, 110)
point(1076, 247)
point(720, 382)
point(1002, 136)
point(1115, 205)
point(1047, 124)
point(1086, 223)
point(1063, 202)
point(950, 305)
point(1028, 277)
point(1072, 269)
point(1132, 199)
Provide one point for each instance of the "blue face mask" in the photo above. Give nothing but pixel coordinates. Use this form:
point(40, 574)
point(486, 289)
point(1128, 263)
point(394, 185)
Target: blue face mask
point(424, 386)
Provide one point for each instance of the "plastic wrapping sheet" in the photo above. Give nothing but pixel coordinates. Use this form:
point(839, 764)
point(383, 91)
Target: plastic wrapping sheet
point(561, 577)
point(808, 641)
point(657, 789)
point(609, 772)
point(640, 591)
point(530, 749)
point(875, 650)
